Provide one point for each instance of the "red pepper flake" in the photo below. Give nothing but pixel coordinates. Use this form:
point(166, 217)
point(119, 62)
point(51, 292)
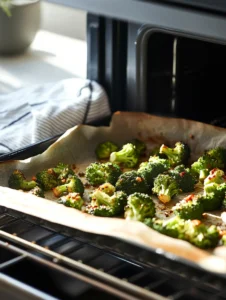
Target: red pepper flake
point(191, 136)
point(139, 179)
point(50, 171)
point(196, 222)
point(182, 174)
point(213, 170)
point(34, 178)
point(189, 198)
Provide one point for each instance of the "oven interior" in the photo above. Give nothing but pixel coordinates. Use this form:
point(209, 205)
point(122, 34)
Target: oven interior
point(185, 77)
point(171, 74)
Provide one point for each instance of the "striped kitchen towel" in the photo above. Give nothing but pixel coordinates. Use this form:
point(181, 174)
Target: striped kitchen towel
point(35, 113)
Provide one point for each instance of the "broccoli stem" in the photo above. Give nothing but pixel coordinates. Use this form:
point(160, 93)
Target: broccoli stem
point(203, 174)
point(164, 198)
point(60, 190)
point(115, 157)
point(165, 195)
point(101, 198)
point(28, 185)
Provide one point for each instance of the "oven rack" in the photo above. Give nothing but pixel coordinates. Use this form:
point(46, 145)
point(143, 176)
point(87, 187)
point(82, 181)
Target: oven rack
point(63, 263)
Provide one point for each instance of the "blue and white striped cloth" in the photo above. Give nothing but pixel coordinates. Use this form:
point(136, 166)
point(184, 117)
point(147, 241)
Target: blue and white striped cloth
point(33, 114)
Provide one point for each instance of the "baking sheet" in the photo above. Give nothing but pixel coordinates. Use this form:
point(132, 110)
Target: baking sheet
point(77, 146)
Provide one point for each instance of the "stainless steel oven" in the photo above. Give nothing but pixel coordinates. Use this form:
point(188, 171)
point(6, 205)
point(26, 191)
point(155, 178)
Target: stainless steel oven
point(162, 57)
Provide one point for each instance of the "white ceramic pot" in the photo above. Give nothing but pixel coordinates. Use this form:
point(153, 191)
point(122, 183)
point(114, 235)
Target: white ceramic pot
point(18, 31)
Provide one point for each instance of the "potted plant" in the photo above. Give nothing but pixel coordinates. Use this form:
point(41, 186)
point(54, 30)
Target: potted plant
point(19, 23)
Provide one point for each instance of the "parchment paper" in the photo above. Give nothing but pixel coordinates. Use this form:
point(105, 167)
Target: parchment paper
point(77, 147)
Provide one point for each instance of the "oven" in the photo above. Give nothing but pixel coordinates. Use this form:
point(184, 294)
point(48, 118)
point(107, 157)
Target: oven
point(162, 57)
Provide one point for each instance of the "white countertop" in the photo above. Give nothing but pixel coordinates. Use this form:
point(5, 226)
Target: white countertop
point(51, 57)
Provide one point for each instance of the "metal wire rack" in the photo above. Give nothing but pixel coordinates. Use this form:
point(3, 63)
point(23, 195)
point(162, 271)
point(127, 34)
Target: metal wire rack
point(51, 261)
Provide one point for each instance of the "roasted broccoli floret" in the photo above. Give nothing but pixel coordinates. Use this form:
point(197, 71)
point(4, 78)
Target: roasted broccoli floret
point(139, 207)
point(192, 231)
point(184, 177)
point(132, 182)
point(165, 187)
point(214, 188)
point(210, 201)
point(151, 169)
point(173, 227)
point(201, 235)
point(73, 185)
point(215, 175)
point(213, 196)
point(128, 156)
point(103, 150)
point(18, 181)
point(72, 200)
point(104, 205)
point(213, 158)
point(47, 179)
point(177, 155)
point(219, 155)
point(98, 173)
point(189, 208)
point(202, 166)
point(140, 146)
point(37, 191)
point(62, 171)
